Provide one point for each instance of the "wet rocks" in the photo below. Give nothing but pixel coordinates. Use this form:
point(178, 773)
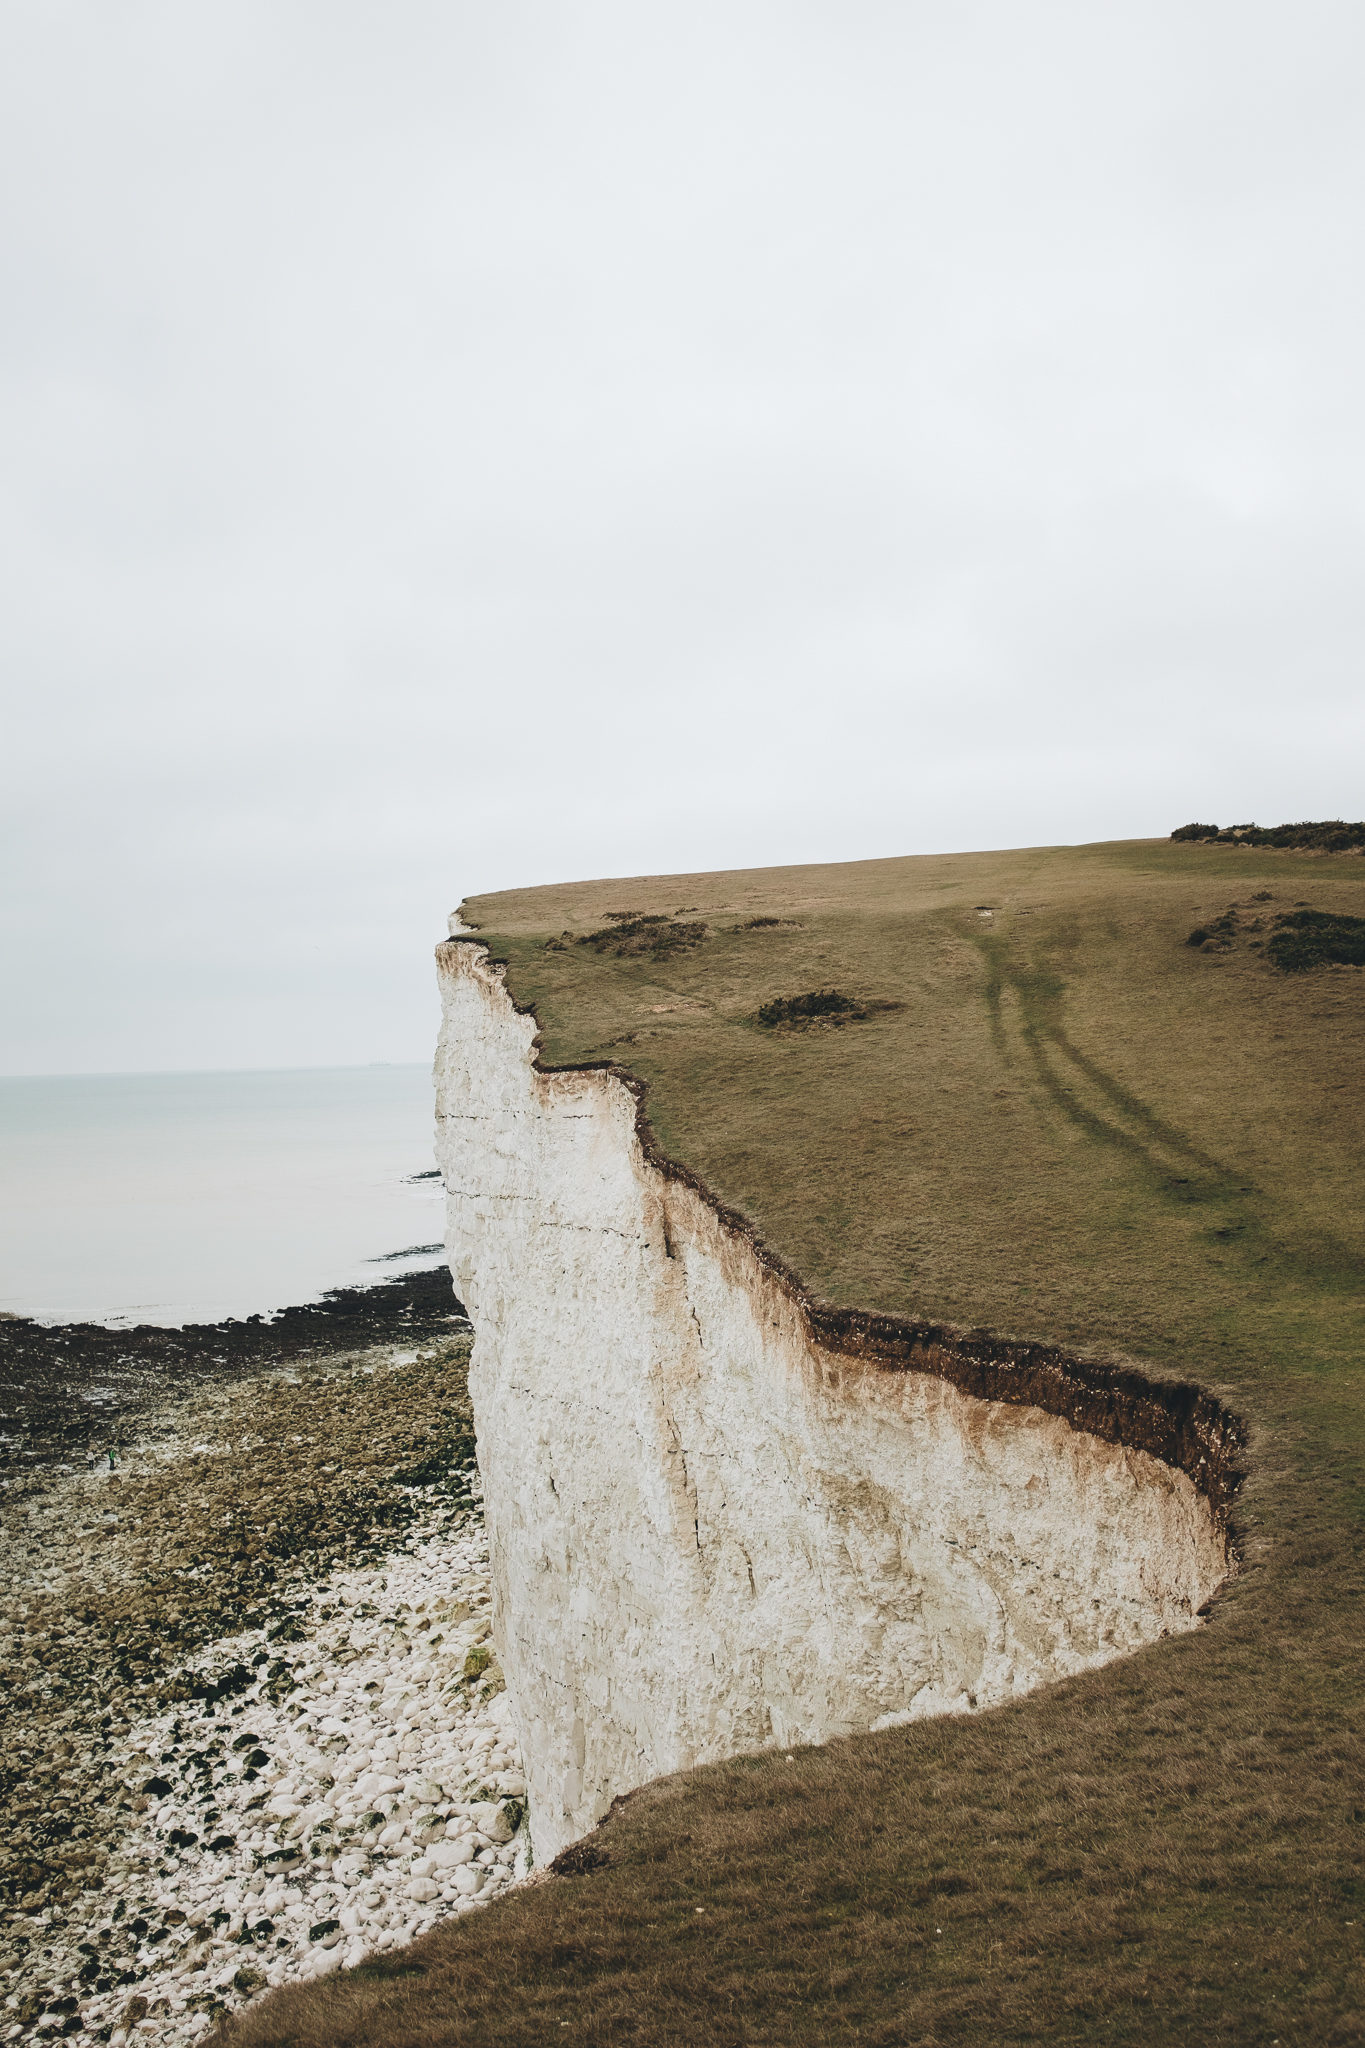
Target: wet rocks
point(77, 1396)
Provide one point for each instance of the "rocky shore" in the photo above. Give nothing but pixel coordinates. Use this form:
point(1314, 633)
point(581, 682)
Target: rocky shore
point(253, 1728)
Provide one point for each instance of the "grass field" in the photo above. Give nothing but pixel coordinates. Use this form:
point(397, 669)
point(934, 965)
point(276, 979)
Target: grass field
point(1038, 1110)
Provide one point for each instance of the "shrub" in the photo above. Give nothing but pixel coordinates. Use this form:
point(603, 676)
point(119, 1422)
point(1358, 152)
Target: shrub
point(805, 1009)
point(655, 935)
point(1316, 938)
point(1325, 835)
point(1219, 933)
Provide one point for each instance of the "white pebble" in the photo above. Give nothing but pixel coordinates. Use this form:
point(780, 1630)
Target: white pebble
point(330, 1764)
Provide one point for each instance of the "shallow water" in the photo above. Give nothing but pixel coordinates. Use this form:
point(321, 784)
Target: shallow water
point(172, 1198)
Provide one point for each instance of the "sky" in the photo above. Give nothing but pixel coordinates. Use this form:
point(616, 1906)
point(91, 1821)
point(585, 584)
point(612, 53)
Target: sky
point(447, 447)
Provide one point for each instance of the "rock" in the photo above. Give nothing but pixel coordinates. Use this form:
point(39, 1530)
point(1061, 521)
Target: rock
point(498, 1822)
point(375, 1783)
point(449, 1855)
point(422, 1888)
point(468, 1880)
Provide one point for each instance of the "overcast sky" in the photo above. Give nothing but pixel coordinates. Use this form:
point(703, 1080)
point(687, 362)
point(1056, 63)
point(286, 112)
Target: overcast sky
point(455, 446)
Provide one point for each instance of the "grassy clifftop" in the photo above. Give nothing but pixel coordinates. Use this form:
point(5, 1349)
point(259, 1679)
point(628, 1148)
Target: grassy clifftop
point(1054, 1117)
point(1022, 1099)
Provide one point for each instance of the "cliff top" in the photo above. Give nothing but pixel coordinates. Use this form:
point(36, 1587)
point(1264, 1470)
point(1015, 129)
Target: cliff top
point(1004, 1089)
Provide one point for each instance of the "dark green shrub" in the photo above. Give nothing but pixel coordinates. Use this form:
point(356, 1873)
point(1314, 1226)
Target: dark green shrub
point(1325, 835)
point(654, 935)
point(804, 1009)
point(1316, 938)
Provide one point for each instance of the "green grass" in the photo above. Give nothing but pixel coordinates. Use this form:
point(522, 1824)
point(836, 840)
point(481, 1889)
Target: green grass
point(1059, 1121)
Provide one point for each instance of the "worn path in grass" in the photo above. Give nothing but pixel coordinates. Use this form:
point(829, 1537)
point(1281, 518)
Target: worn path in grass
point(1054, 1119)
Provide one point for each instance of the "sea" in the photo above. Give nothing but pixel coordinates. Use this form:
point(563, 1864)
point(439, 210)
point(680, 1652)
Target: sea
point(179, 1198)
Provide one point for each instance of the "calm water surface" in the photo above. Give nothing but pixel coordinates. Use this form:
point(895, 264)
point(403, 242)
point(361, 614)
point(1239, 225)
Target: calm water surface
point(171, 1198)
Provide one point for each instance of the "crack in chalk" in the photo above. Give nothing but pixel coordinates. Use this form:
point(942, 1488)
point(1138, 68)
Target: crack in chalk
point(586, 1229)
point(471, 1116)
point(680, 1451)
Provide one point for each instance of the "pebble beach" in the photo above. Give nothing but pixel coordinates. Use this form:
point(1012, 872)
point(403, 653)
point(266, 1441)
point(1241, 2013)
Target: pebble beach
point(254, 1727)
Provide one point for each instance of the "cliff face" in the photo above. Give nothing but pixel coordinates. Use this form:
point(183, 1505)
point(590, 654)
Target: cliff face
point(720, 1518)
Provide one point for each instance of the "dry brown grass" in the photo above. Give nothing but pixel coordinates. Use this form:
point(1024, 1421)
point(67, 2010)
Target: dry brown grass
point(1072, 1127)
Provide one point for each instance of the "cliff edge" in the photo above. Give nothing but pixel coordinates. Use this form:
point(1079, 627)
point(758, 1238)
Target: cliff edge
point(723, 1516)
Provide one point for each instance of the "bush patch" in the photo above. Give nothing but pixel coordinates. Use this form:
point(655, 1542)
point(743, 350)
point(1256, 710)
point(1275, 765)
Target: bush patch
point(630, 937)
point(1325, 835)
point(828, 1006)
point(1316, 938)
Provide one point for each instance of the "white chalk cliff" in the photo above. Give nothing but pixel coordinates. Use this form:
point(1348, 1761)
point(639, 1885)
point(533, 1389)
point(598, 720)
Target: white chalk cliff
point(713, 1525)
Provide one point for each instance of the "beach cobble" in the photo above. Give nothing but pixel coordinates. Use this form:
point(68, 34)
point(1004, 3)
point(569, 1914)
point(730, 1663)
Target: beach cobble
point(255, 1729)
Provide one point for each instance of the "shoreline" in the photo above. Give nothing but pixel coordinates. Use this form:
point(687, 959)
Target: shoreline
point(72, 1389)
point(253, 1728)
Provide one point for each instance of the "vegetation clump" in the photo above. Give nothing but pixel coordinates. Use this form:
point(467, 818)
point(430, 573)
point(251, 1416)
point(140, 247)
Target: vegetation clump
point(476, 1663)
point(632, 936)
point(1316, 938)
point(818, 1005)
point(1218, 935)
point(1328, 835)
point(1299, 938)
point(580, 1858)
